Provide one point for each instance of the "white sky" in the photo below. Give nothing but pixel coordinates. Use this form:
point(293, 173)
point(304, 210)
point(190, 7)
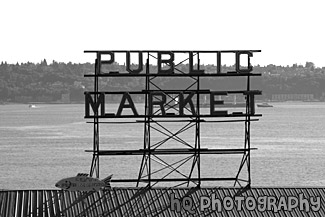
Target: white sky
point(287, 32)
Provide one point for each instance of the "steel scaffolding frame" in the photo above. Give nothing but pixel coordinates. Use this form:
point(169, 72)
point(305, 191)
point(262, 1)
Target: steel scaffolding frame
point(155, 122)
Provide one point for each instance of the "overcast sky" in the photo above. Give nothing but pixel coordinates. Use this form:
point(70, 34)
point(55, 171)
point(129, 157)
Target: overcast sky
point(287, 32)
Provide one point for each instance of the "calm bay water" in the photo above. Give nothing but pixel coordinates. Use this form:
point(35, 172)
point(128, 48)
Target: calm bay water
point(39, 146)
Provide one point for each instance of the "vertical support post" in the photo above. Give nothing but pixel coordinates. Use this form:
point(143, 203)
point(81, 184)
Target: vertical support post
point(95, 161)
point(218, 62)
point(246, 156)
point(248, 131)
point(149, 120)
point(198, 122)
point(146, 135)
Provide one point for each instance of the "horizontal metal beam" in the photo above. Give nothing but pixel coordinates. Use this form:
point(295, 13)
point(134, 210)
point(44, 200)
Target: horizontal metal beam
point(124, 74)
point(158, 121)
point(173, 51)
point(173, 115)
point(202, 91)
point(174, 180)
point(171, 151)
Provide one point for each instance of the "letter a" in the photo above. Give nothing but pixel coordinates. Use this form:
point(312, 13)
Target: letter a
point(126, 96)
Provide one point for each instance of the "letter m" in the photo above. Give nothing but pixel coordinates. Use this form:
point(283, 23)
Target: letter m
point(94, 104)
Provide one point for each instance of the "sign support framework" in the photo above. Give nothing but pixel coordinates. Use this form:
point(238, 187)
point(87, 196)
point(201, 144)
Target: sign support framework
point(172, 106)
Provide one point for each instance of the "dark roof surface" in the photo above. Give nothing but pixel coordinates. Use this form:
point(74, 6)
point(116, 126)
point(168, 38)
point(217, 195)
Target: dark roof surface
point(165, 202)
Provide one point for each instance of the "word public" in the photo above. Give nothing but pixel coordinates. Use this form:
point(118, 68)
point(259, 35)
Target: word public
point(166, 60)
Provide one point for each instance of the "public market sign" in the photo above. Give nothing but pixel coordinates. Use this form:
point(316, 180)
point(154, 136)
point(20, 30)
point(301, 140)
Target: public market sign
point(187, 101)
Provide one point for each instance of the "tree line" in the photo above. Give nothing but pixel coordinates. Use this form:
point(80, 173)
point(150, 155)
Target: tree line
point(43, 82)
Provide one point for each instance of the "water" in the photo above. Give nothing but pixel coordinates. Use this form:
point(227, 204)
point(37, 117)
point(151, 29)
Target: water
point(42, 145)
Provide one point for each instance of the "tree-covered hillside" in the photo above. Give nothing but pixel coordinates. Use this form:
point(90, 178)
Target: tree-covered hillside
point(44, 82)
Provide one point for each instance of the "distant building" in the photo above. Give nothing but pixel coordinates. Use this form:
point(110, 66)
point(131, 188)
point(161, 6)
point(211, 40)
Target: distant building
point(292, 97)
point(24, 99)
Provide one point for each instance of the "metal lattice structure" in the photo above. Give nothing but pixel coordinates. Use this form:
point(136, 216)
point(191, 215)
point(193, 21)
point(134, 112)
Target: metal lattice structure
point(165, 106)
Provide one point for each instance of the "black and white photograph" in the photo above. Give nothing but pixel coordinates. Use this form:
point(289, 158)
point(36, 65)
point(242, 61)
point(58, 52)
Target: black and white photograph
point(162, 108)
